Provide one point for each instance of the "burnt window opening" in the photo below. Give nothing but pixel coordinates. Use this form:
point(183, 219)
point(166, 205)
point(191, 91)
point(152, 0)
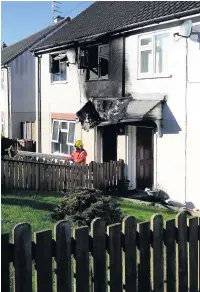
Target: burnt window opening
point(58, 67)
point(96, 61)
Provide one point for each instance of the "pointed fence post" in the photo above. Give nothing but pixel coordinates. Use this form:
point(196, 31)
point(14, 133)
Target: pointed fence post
point(98, 232)
point(182, 272)
point(129, 254)
point(157, 253)
point(63, 256)
point(23, 257)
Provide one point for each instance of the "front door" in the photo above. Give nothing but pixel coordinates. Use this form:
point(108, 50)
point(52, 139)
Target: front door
point(144, 157)
point(109, 143)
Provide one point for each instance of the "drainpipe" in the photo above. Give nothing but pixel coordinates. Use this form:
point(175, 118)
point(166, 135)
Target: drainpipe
point(186, 114)
point(123, 67)
point(8, 69)
point(38, 109)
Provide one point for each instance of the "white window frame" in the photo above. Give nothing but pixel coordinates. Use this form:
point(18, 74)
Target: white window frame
point(64, 53)
point(152, 73)
point(63, 131)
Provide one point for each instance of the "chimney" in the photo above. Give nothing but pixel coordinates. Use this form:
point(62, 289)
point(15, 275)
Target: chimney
point(58, 18)
point(3, 46)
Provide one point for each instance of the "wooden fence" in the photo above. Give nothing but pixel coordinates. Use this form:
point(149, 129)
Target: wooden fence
point(144, 257)
point(33, 174)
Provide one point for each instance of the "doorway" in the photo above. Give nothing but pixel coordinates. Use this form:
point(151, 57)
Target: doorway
point(109, 143)
point(144, 158)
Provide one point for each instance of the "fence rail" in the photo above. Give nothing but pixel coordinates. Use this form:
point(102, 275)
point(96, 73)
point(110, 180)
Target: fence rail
point(38, 174)
point(135, 257)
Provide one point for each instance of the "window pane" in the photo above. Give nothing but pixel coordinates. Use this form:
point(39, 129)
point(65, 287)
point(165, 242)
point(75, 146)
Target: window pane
point(63, 142)
point(2, 124)
point(55, 130)
point(2, 80)
point(145, 61)
point(56, 77)
point(65, 149)
point(64, 126)
point(71, 133)
point(146, 41)
point(63, 71)
point(71, 148)
point(55, 66)
point(104, 52)
point(93, 63)
point(55, 147)
point(161, 43)
point(63, 137)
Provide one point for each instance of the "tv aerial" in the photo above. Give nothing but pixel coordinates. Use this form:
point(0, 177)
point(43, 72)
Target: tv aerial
point(56, 9)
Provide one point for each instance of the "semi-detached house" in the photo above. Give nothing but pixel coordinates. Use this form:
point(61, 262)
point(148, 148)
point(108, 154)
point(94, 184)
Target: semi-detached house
point(18, 81)
point(125, 78)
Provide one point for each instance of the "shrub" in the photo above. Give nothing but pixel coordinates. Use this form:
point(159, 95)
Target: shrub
point(81, 206)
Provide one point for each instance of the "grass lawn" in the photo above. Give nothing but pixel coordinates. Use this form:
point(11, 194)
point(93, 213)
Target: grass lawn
point(36, 209)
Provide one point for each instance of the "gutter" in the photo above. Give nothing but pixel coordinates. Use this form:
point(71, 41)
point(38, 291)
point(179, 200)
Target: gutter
point(139, 25)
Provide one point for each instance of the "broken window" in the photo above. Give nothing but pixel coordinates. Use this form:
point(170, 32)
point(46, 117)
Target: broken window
point(103, 61)
point(95, 60)
point(58, 67)
point(63, 136)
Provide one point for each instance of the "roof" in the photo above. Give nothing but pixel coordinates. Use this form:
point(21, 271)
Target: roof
point(105, 17)
point(11, 52)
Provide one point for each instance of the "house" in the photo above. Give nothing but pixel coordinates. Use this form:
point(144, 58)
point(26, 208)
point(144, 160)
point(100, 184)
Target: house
point(129, 71)
point(18, 81)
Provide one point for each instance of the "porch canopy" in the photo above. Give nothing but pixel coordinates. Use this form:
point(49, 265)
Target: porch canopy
point(103, 111)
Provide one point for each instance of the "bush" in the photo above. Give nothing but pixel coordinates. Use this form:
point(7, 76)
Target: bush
point(81, 206)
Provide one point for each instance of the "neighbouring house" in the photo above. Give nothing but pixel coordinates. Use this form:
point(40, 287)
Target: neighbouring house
point(129, 71)
point(18, 74)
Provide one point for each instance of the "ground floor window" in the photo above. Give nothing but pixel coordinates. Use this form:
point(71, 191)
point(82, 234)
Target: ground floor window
point(2, 125)
point(63, 136)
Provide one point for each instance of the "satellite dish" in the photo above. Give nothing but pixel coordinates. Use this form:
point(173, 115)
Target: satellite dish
point(195, 34)
point(186, 29)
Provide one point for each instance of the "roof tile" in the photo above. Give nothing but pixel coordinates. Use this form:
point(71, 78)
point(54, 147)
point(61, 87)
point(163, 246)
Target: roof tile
point(107, 16)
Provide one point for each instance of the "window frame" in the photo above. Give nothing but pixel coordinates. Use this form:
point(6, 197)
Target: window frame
point(99, 77)
point(62, 131)
point(152, 73)
point(99, 71)
point(2, 80)
point(60, 61)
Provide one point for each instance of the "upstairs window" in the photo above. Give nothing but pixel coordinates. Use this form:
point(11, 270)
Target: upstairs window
point(63, 136)
point(58, 67)
point(95, 60)
point(2, 80)
point(153, 55)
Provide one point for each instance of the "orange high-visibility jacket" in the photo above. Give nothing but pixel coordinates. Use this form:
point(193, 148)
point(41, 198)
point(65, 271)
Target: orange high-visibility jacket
point(79, 156)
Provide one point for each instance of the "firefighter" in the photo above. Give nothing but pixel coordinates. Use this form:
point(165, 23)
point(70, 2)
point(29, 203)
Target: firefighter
point(79, 154)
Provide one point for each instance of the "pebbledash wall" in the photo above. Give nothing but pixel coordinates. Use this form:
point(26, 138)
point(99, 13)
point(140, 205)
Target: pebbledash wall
point(176, 153)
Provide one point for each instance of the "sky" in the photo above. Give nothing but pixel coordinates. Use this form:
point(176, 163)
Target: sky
point(19, 19)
